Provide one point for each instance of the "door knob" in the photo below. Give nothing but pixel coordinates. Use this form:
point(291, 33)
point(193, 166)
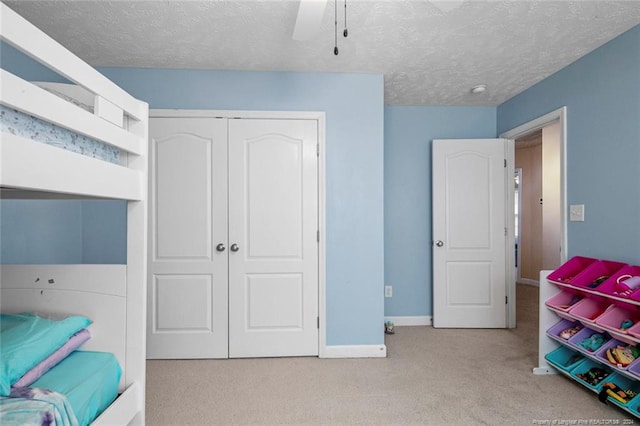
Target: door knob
point(220, 247)
point(234, 247)
point(439, 243)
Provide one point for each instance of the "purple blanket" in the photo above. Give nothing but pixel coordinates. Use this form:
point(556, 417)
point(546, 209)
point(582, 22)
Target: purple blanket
point(36, 406)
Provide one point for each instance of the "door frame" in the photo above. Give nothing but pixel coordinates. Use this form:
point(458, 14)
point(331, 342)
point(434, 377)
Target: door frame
point(518, 255)
point(559, 115)
point(320, 116)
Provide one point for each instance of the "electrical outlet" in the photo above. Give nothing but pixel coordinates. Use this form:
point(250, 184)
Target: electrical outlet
point(388, 291)
point(576, 213)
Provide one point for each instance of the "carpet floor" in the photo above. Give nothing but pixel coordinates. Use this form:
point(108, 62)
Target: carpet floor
point(430, 377)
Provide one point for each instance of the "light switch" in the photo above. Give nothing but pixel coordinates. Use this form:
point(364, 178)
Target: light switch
point(576, 212)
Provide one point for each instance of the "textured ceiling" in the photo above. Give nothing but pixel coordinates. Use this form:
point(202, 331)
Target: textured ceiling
point(429, 56)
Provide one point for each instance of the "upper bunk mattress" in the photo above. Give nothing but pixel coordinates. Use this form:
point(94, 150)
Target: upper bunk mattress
point(21, 124)
point(88, 379)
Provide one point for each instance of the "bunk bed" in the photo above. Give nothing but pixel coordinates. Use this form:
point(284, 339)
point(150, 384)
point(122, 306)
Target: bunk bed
point(111, 297)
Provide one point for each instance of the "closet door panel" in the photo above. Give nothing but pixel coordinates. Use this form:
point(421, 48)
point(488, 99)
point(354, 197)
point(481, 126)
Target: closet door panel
point(183, 199)
point(188, 286)
point(273, 220)
point(274, 217)
point(190, 313)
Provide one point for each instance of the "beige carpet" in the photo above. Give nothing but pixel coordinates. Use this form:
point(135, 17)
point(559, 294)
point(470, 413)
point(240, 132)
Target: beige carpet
point(431, 376)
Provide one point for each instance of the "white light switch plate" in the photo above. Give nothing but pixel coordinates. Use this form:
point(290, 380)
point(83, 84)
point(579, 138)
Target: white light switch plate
point(576, 213)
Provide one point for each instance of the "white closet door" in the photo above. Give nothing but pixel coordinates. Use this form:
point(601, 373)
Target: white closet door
point(188, 291)
point(273, 223)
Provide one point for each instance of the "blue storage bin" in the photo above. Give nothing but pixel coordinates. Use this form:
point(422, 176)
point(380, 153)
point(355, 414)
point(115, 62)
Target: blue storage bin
point(564, 358)
point(584, 368)
point(624, 383)
point(634, 406)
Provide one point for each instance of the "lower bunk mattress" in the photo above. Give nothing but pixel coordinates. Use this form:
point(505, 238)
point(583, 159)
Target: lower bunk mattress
point(88, 382)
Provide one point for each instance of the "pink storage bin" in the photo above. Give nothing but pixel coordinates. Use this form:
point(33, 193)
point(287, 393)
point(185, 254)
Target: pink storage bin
point(562, 302)
point(629, 273)
point(587, 333)
point(613, 318)
point(588, 310)
point(634, 331)
point(570, 269)
point(596, 274)
point(615, 286)
point(601, 354)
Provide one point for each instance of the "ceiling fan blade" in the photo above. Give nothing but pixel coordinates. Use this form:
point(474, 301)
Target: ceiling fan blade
point(310, 13)
point(447, 5)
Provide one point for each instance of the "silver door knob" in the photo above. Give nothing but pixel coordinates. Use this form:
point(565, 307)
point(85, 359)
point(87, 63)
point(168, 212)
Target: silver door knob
point(439, 243)
point(234, 247)
point(220, 247)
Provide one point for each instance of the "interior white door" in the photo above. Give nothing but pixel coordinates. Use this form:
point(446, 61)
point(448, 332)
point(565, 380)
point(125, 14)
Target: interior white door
point(273, 226)
point(469, 233)
point(188, 268)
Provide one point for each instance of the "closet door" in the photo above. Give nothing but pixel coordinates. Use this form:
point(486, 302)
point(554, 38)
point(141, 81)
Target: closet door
point(273, 224)
point(188, 269)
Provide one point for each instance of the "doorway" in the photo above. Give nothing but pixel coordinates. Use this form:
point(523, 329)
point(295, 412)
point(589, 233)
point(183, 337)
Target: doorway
point(548, 202)
point(537, 206)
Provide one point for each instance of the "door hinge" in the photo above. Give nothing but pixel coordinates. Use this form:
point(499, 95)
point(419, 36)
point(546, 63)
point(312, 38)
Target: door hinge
point(318, 321)
point(318, 236)
point(506, 300)
point(317, 150)
point(505, 163)
point(505, 231)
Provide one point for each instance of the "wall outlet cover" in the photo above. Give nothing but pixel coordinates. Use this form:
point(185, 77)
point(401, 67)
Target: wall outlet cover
point(388, 291)
point(576, 213)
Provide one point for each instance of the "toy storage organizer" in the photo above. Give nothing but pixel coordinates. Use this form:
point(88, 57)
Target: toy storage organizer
point(587, 307)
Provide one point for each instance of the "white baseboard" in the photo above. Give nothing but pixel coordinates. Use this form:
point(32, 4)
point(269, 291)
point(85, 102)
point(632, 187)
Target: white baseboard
point(528, 281)
point(409, 321)
point(354, 351)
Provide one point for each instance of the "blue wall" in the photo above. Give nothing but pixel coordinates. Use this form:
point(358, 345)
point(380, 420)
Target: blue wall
point(63, 232)
point(408, 133)
point(602, 94)
point(354, 109)
point(41, 232)
point(353, 104)
point(104, 231)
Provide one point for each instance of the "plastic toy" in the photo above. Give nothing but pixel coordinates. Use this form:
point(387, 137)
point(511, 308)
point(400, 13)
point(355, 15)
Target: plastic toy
point(388, 327)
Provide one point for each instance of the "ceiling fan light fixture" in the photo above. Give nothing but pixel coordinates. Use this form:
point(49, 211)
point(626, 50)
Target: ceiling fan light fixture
point(480, 88)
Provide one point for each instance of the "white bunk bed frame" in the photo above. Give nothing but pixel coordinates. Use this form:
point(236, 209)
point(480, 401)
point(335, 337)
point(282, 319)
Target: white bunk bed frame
point(112, 296)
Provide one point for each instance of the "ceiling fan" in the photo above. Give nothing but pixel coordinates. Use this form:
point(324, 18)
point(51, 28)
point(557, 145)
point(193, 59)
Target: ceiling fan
point(311, 12)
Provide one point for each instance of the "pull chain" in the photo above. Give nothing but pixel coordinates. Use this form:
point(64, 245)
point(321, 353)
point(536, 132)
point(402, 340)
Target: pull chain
point(345, 32)
point(335, 8)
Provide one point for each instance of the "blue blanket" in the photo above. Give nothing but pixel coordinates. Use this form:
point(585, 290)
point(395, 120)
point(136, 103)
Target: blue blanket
point(36, 406)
